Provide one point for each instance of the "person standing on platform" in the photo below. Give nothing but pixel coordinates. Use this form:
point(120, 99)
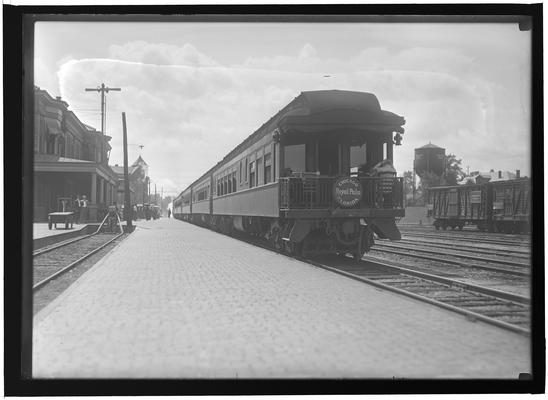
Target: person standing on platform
point(168, 213)
point(83, 209)
point(76, 208)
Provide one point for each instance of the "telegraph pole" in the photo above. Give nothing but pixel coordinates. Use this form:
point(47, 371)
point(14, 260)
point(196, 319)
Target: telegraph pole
point(103, 89)
point(127, 201)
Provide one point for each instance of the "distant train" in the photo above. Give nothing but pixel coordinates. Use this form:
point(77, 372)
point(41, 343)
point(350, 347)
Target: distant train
point(316, 178)
point(501, 206)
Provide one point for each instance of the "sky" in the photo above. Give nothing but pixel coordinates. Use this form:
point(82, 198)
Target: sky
point(193, 91)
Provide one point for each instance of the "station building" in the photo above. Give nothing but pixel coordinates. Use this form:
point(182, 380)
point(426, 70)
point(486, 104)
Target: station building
point(138, 182)
point(492, 176)
point(70, 159)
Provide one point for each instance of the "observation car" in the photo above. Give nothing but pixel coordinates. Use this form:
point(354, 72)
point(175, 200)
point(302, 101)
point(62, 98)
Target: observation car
point(500, 206)
point(315, 178)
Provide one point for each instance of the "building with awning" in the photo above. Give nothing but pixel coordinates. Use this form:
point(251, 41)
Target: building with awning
point(70, 160)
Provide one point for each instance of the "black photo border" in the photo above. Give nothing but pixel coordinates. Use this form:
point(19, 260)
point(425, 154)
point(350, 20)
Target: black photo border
point(18, 184)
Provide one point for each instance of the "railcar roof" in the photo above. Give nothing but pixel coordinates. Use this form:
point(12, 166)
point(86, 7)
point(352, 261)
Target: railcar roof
point(316, 102)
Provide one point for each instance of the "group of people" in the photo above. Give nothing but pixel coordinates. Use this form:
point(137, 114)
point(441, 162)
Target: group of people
point(80, 208)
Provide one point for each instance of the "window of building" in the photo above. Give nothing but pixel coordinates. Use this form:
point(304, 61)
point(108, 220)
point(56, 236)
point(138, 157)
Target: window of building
point(252, 174)
point(245, 170)
point(240, 170)
point(267, 168)
point(225, 185)
point(229, 184)
point(294, 158)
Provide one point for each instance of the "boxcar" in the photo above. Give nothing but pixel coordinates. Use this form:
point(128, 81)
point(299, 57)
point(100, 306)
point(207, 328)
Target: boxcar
point(501, 206)
point(315, 178)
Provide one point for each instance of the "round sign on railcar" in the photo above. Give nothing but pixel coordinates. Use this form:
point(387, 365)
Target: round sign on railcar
point(347, 191)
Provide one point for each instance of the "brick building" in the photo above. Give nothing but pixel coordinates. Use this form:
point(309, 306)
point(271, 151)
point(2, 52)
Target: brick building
point(138, 182)
point(70, 159)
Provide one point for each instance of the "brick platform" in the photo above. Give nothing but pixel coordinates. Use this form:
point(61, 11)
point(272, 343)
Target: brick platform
point(175, 300)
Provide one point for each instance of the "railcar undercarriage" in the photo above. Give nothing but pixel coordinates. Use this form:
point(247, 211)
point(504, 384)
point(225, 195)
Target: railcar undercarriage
point(305, 237)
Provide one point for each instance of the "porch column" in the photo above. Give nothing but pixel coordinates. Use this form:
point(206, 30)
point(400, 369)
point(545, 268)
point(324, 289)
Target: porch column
point(93, 194)
point(101, 190)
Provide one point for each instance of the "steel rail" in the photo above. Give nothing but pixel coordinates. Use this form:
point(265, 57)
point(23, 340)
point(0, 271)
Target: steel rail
point(469, 314)
point(462, 247)
point(455, 262)
point(73, 264)
point(452, 282)
point(462, 238)
point(66, 242)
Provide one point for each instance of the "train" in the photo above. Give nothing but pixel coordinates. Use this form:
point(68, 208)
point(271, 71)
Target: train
point(499, 206)
point(316, 178)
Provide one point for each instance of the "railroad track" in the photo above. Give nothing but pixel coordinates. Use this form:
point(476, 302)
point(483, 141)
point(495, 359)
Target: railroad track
point(519, 268)
point(518, 253)
point(54, 261)
point(506, 240)
point(506, 310)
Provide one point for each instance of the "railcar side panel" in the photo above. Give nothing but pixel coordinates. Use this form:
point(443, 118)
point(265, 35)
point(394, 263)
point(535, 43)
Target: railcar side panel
point(201, 207)
point(258, 201)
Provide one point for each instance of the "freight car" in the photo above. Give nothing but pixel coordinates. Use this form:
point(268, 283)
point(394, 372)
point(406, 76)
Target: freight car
point(316, 178)
point(501, 206)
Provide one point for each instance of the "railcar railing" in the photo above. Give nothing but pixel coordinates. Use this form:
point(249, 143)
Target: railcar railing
point(317, 193)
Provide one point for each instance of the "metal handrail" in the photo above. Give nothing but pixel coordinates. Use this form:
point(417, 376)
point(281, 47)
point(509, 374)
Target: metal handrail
point(316, 192)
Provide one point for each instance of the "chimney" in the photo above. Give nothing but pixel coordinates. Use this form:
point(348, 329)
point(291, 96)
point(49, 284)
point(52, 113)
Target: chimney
point(500, 174)
point(58, 98)
point(517, 173)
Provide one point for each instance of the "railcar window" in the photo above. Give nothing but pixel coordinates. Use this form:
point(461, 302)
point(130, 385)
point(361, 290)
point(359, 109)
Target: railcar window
point(358, 157)
point(294, 157)
point(251, 174)
point(260, 171)
point(267, 168)
point(384, 150)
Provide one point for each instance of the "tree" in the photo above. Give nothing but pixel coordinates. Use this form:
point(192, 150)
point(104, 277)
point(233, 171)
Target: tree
point(453, 170)
point(408, 183)
point(430, 179)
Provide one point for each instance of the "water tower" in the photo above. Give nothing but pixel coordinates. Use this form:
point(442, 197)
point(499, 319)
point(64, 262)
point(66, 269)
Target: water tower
point(428, 158)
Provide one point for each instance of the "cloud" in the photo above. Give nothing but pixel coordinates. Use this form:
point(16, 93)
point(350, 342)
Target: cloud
point(160, 54)
point(189, 111)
